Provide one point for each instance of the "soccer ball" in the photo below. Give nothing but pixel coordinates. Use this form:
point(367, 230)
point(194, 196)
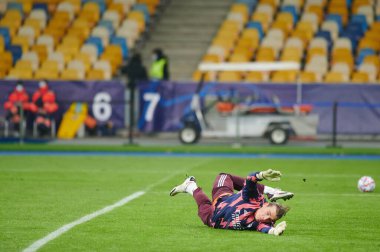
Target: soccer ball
point(366, 184)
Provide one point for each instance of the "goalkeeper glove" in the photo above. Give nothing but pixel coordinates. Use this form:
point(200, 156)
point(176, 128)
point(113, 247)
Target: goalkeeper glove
point(270, 175)
point(279, 229)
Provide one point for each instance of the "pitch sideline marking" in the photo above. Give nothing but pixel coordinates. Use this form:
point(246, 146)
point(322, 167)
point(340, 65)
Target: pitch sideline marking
point(41, 242)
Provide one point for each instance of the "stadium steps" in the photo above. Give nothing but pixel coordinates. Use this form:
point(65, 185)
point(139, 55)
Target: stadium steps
point(184, 32)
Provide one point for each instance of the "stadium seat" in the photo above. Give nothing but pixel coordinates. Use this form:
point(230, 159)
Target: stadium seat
point(308, 77)
point(71, 74)
point(105, 66)
point(335, 77)
point(360, 77)
point(285, 76)
point(229, 76)
point(257, 77)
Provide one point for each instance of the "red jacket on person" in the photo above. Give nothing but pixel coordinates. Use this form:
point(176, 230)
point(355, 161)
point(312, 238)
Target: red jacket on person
point(48, 100)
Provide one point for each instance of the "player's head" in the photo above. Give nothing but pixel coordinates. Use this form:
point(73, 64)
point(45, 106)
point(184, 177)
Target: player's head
point(19, 86)
point(271, 212)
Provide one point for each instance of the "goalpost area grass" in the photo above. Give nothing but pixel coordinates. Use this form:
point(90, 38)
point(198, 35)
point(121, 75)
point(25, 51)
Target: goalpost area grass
point(40, 194)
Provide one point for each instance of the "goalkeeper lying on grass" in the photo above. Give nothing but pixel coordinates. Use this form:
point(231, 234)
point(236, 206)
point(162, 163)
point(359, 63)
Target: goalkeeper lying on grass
point(246, 209)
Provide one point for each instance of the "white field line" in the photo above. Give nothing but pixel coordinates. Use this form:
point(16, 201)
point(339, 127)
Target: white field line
point(41, 242)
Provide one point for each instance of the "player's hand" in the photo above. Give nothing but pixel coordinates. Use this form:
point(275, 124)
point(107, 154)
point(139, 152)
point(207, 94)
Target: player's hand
point(279, 229)
point(270, 175)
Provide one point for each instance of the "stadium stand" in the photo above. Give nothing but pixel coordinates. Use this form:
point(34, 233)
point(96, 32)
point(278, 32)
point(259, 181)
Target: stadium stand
point(70, 39)
point(336, 41)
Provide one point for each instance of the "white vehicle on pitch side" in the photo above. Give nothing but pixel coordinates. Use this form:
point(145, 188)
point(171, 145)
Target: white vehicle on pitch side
point(225, 119)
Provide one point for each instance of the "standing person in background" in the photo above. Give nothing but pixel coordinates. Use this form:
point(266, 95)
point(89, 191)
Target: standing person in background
point(135, 72)
point(16, 106)
point(44, 106)
point(159, 69)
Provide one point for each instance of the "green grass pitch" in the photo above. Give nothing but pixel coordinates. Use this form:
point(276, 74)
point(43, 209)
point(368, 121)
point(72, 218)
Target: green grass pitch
point(41, 194)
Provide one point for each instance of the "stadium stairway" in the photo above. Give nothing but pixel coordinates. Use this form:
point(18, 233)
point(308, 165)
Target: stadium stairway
point(184, 32)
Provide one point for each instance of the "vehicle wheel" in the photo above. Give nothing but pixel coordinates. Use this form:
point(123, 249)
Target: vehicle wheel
point(189, 135)
point(278, 135)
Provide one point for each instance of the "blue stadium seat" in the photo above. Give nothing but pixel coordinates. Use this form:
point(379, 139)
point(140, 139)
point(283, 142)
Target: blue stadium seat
point(16, 6)
point(251, 4)
point(144, 9)
point(363, 53)
point(327, 36)
point(16, 52)
point(4, 32)
point(352, 37)
point(360, 19)
point(97, 42)
point(257, 26)
point(356, 29)
point(292, 10)
point(107, 24)
point(337, 18)
point(123, 45)
point(42, 6)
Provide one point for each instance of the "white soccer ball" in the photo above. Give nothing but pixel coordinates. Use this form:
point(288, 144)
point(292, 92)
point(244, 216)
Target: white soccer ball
point(366, 184)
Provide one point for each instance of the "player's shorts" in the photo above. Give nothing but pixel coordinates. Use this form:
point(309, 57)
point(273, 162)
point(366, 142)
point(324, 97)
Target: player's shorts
point(223, 186)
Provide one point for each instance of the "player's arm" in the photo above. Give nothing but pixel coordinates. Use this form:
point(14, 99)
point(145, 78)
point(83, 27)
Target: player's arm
point(250, 187)
point(268, 229)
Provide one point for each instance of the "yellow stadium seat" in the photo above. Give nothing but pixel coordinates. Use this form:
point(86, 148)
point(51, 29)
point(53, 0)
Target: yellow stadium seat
point(22, 41)
point(139, 18)
point(71, 74)
point(90, 12)
point(85, 58)
point(2, 44)
point(24, 74)
point(305, 37)
point(6, 59)
point(272, 3)
point(41, 50)
point(317, 10)
point(285, 76)
point(229, 76)
point(308, 77)
point(284, 26)
point(237, 57)
point(76, 4)
point(334, 77)
point(119, 8)
point(266, 54)
point(315, 51)
point(240, 8)
point(285, 17)
point(46, 74)
point(35, 24)
point(256, 77)
point(24, 64)
point(291, 54)
point(360, 77)
point(96, 74)
point(369, 43)
point(3, 73)
point(249, 43)
point(67, 51)
point(212, 58)
point(50, 65)
point(208, 76)
point(374, 59)
point(263, 19)
point(244, 51)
